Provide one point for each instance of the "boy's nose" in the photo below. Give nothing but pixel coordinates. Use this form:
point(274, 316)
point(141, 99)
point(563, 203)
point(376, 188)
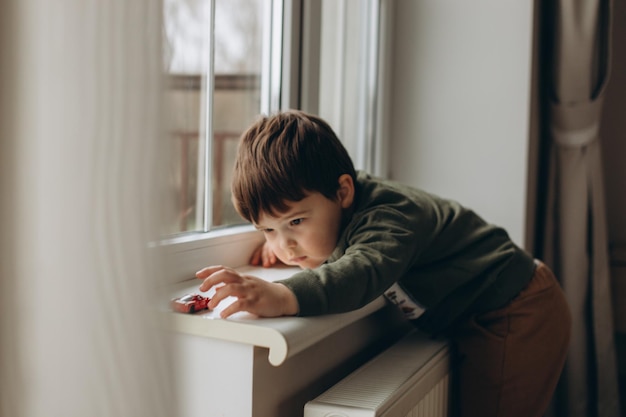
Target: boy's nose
point(287, 242)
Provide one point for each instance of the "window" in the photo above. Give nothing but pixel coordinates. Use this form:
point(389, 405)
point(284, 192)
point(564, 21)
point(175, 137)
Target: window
point(227, 61)
point(214, 57)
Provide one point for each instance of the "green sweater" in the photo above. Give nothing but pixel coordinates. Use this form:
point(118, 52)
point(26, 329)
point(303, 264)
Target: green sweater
point(448, 259)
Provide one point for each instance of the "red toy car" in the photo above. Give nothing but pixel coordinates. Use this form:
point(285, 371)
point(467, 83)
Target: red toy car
point(190, 303)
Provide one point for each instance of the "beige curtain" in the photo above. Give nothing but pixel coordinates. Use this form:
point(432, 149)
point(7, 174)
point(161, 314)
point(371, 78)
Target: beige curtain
point(576, 240)
point(79, 134)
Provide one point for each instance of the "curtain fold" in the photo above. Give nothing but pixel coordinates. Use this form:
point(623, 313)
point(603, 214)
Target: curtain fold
point(575, 236)
point(80, 139)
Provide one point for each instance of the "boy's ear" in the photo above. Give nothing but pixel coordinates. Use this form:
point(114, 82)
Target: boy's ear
point(345, 193)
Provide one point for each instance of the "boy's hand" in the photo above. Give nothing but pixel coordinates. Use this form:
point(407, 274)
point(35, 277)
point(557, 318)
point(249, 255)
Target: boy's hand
point(254, 295)
point(263, 256)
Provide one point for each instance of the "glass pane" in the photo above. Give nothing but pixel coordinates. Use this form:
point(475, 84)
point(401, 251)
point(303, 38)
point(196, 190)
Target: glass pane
point(186, 52)
point(349, 92)
point(209, 97)
point(237, 96)
point(343, 78)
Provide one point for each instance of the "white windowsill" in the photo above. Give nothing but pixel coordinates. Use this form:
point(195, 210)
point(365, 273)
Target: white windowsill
point(283, 336)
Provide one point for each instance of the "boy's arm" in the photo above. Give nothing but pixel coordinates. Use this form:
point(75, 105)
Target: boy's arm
point(377, 249)
point(254, 295)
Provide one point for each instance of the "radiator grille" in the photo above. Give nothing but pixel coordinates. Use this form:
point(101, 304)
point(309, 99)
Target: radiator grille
point(410, 379)
point(435, 403)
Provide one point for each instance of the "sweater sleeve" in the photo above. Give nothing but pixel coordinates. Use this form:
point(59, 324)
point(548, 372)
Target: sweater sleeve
point(376, 249)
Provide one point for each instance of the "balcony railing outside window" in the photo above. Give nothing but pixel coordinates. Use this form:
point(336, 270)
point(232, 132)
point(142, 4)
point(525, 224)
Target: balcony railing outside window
point(236, 101)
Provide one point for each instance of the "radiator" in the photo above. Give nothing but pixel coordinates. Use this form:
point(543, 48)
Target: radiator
point(410, 379)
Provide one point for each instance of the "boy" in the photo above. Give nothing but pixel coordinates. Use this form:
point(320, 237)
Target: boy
point(357, 237)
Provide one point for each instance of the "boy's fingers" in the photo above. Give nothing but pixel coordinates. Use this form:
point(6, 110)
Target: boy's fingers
point(205, 272)
point(235, 307)
point(220, 294)
point(269, 258)
point(223, 276)
point(239, 304)
point(256, 258)
point(266, 260)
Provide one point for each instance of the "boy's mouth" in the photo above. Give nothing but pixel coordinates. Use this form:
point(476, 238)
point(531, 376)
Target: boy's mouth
point(297, 260)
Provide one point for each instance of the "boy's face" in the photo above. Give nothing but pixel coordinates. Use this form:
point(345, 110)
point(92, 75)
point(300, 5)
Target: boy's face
point(307, 233)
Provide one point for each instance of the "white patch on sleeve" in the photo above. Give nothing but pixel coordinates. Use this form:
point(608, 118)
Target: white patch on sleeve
point(411, 308)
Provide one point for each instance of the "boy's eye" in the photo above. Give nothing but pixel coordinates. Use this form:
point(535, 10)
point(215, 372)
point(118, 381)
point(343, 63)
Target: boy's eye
point(296, 222)
point(268, 230)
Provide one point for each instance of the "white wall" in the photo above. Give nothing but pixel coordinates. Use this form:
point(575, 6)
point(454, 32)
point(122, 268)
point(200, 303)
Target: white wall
point(460, 103)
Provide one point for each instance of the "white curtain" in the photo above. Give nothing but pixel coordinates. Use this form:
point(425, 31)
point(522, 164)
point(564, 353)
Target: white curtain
point(79, 138)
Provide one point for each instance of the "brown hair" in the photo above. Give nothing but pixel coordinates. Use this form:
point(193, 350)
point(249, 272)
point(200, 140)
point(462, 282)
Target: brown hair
point(283, 157)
